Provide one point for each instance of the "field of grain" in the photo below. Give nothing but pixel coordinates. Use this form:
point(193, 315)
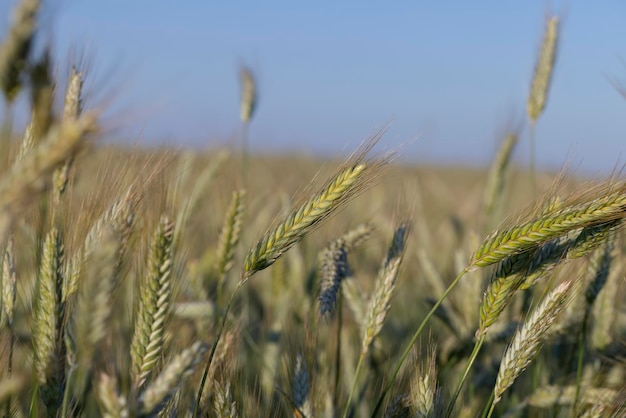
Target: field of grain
point(167, 282)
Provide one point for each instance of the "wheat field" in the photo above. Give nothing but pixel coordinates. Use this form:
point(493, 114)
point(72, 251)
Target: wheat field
point(166, 282)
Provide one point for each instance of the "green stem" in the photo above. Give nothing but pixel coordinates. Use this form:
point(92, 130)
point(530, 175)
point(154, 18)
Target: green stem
point(532, 158)
point(470, 362)
point(10, 366)
point(408, 348)
point(338, 351)
point(245, 154)
point(489, 407)
point(581, 355)
point(196, 407)
point(354, 383)
point(66, 392)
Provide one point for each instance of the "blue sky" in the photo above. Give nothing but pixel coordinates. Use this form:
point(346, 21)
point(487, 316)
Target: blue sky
point(450, 73)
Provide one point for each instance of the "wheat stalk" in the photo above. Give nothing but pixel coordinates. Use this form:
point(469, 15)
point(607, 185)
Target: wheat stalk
point(495, 178)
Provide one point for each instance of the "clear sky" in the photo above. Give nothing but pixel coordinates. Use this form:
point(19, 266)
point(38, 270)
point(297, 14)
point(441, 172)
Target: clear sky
point(451, 73)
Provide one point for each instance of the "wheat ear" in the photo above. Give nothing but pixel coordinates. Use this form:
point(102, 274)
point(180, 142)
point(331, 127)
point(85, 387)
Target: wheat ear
point(93, 309)
point(528, 340)
point(345, 185)
point(381, 300)
point(120, 217)
point(248, 94)
point(153, 398)
point(334, 268)
point(543, 70)
point(229, 238)
point(29, 177)
point(71, 111)
point(112, 403)
point(154, 304)
point(424, 387)
point(301, 389)
point(9, 281)
point(531, 234)
point(224, 405)
point(16, 47)
point(47, 332)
